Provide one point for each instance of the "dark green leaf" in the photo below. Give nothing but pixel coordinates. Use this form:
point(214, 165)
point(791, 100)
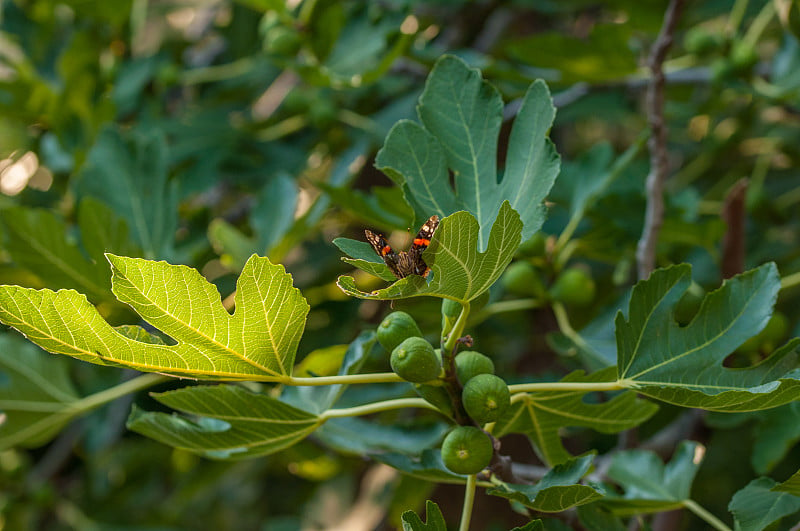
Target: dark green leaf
point(233, 423)
point(358, 436)
point(760, 504)
point(36, 394)
point(428, 466)
point(557, 491)
point(651, 486)
point(603, 56)
point(542, 415)
point(461, 116)
point(683, 365)
point(129, 173)
point(435, 520)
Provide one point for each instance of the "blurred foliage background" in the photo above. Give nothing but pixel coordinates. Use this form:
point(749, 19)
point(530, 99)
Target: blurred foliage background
point(202, 131)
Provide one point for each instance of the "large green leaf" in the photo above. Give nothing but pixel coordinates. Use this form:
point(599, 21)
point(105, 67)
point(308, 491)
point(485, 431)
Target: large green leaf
point(257, 342)
point(684, 365)
point(36, 393)
point(651, 486)
point(542, 415)
point(234, 423)
point(129, 173)
point(461, 116)
point(761, 503)
point(458, 270)
point(557, 491)
point(38, 240)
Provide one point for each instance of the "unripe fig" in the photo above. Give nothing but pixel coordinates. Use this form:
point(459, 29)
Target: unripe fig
point(395, 328)
point(533, 246)
point(701, 41)
point(522, 278)
point(743, 56)
point(466, 450)
point(470, 364)
point(573, 287)
point(282, 40)
point(486, 398)
point(414, 360)
point(436, 395)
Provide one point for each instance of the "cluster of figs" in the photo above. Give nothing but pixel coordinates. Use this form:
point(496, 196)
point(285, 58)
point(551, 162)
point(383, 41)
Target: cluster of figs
point(466, 390)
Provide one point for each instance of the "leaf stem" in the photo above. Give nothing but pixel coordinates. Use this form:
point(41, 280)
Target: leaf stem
point(759, 24)
point(790, 281)
point(567, 386)
point(458, 328)
point(506, 306)
point(469, 499)
point(566, 328)
point(107, 395)
point(375, 377)
point(712, 520)
point(376, 407)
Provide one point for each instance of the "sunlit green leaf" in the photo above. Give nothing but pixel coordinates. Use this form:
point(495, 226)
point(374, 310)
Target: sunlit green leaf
point(257, 342)
point(458, 270)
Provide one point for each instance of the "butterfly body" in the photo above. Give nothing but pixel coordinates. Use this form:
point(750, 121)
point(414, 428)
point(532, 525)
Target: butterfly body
point(405, 263)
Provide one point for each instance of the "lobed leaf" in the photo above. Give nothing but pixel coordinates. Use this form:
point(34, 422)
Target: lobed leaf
point(542, 415)
point(761, 503)
point(557, 491)
point(650, 485)
point(234, 423)
point(458, 270)
point(435, 520)
point(684, 365)
point(461, 116)
point(257, 342)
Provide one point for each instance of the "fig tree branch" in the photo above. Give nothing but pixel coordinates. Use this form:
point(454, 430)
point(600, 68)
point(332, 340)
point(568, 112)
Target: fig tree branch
point(657, 143)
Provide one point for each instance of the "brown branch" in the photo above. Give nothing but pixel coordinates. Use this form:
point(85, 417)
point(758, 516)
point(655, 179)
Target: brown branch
point(657, 144)
point(733, 241)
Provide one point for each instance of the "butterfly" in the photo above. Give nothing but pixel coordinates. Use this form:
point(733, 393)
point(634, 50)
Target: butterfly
point(409, 262)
